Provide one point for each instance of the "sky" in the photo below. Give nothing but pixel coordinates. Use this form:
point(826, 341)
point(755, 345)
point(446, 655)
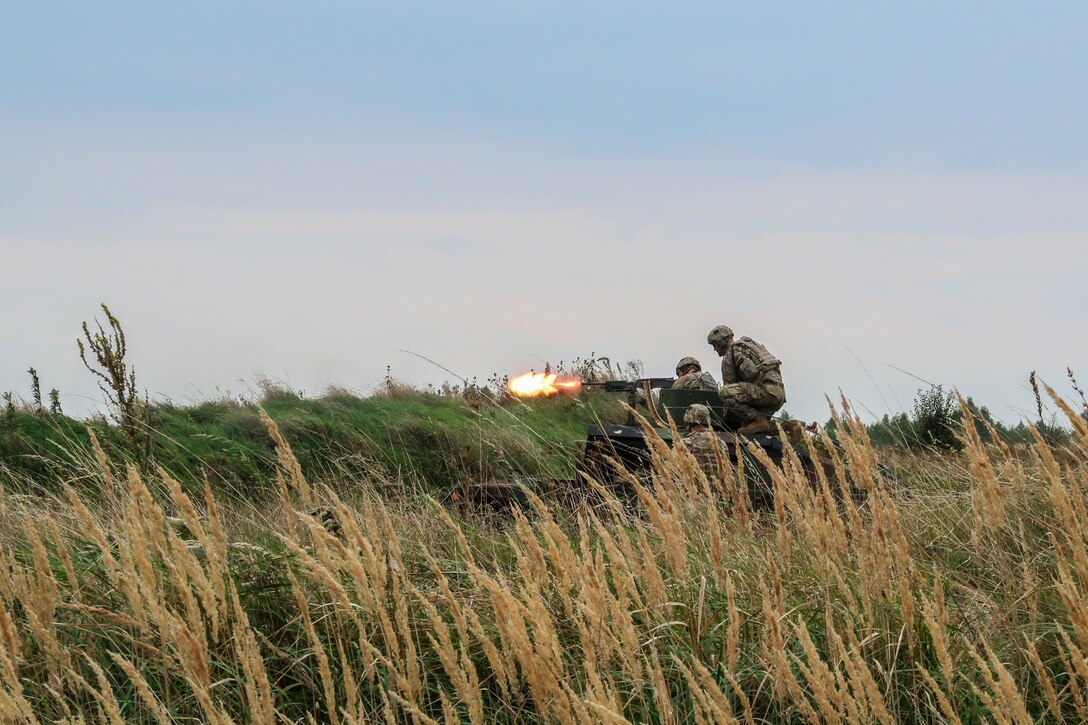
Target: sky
point(886, 195)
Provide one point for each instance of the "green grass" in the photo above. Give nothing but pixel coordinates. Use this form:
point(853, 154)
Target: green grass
point(427, 440)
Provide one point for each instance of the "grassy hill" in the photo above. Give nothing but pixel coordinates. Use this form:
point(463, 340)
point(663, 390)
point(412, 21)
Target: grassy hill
point(404, 435)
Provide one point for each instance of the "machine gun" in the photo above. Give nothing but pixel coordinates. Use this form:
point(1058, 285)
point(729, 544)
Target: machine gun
point(632, 388)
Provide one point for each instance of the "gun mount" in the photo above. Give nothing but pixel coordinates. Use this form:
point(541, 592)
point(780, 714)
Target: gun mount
point(612, 450)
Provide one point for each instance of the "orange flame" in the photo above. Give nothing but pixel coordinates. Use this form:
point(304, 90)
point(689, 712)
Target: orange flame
point(531, 385)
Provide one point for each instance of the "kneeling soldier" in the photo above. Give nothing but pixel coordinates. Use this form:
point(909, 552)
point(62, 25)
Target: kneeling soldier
point(752, 385)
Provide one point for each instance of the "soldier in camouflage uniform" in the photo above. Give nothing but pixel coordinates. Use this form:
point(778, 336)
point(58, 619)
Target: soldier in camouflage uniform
point(691, 376)
point(701, 440)
point(752, 386)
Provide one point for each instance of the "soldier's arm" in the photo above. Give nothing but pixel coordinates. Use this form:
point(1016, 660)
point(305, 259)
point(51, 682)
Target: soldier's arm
point(729, 373)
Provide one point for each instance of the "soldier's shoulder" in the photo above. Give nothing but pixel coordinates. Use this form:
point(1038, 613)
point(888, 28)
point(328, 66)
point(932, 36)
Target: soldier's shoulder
point(684, 381)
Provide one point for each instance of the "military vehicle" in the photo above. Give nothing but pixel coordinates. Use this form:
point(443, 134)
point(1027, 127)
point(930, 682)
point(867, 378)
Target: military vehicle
point(626, 444)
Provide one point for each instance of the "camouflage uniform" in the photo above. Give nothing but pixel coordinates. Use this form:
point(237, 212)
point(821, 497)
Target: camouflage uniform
point(695, 380)
point(701, 380)
point(751, 380)
point(702, 443)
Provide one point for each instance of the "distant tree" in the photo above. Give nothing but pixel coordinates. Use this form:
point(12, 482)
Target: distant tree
point(891, 430)
point(979, 414)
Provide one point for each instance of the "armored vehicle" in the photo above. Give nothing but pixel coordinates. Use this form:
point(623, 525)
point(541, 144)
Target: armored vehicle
point(626, 444)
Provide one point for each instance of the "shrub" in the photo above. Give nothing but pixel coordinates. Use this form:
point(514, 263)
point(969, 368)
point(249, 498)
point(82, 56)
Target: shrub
point(117, 380)
point(935, 420)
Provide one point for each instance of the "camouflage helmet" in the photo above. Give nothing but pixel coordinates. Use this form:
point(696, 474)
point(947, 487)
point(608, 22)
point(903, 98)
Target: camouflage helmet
point(697, 414)
point(688, 361)
point(719, 334)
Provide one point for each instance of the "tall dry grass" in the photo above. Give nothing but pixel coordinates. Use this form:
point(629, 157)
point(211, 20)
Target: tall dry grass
point(966, 601)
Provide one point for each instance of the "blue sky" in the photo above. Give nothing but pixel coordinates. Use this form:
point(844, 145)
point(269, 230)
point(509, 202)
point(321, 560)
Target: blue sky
point(978, 85)
point(305, 190)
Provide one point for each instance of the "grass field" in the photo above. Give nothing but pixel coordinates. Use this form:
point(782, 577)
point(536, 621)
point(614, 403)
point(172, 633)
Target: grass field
point(295, 566)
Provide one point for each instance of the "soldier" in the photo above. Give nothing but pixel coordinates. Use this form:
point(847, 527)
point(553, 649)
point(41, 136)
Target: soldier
point(701, 440)
point(690, 376)
point(751, 380)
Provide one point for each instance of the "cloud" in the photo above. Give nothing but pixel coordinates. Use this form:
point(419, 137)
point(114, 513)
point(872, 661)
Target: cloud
point(960, 278)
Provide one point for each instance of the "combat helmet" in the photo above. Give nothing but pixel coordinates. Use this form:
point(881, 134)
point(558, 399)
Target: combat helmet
point(719, 334)
point(697, 414)
point(688, 361)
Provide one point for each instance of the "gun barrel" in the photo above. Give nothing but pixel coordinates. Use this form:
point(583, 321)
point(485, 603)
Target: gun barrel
point(617, 386)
